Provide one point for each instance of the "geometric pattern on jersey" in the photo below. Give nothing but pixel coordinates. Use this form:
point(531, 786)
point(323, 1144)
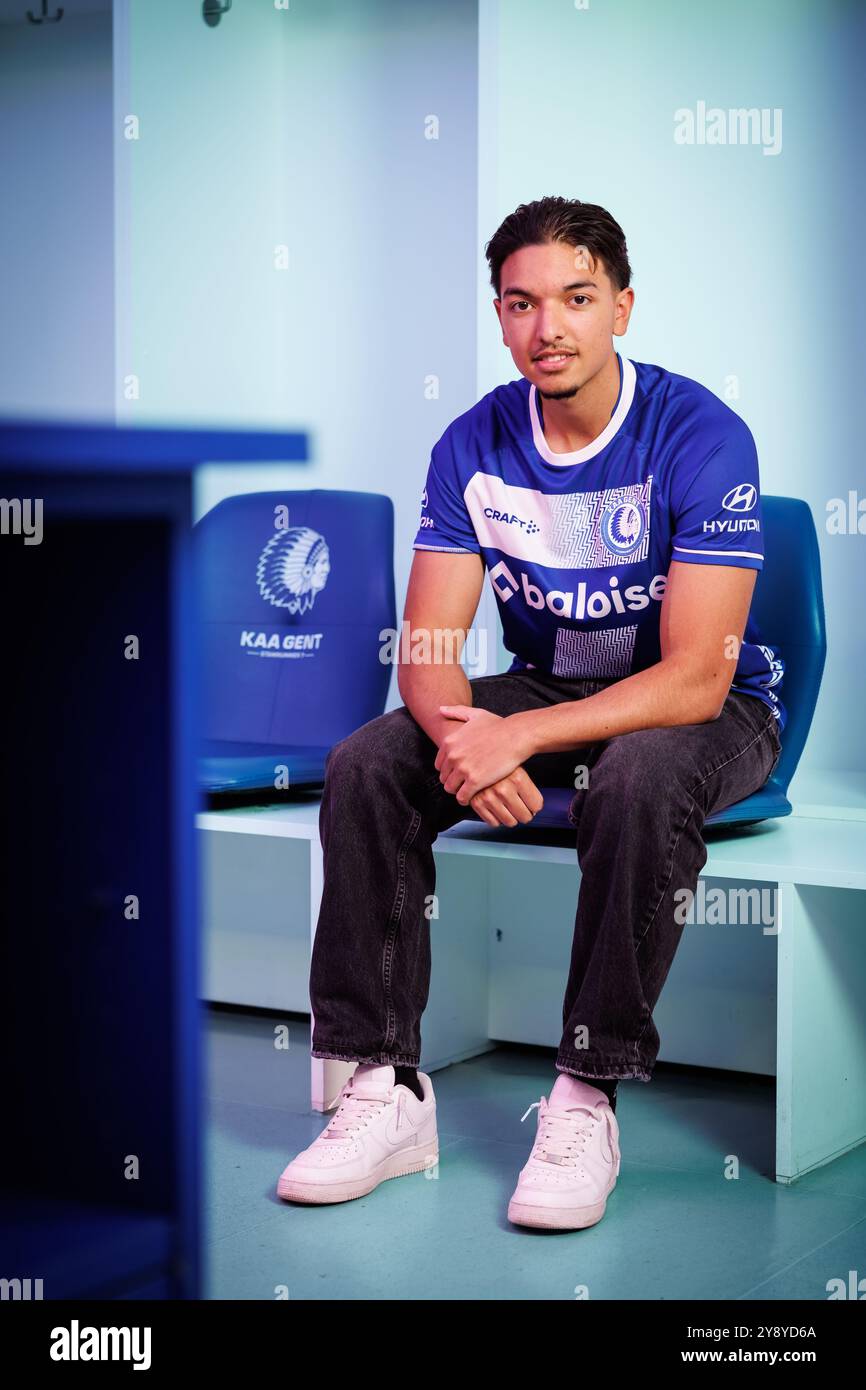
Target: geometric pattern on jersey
point(568, 530)
point(599, 529)
point(607, 652)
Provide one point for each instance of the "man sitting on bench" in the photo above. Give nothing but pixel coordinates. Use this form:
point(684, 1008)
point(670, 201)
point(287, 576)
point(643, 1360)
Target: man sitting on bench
point(616, 508)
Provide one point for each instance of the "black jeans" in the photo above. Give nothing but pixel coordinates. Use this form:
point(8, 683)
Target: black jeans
point(638, 828)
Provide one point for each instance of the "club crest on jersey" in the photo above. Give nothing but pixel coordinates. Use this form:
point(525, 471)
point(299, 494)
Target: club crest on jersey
point(622, 527)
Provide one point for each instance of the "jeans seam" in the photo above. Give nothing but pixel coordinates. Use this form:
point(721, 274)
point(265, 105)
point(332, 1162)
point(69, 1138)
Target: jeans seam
point(691, 793)
point(393, 923)
point(639, 943)
point(691, 810)
point(733, 758)
point(409, 1059)
point(637, 1071)
point(772, 725)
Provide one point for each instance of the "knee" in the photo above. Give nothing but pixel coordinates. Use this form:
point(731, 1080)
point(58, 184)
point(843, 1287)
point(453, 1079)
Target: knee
point(638, 773)
point(369, 749)
point(351, 754)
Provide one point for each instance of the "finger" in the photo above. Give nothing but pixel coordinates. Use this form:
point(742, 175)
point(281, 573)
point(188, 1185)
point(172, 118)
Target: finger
point(528, 790)
point(517, 807)
point(482, 804)
point(480, 809)
point(501, 809)
point(457, 711)
point(518, 800)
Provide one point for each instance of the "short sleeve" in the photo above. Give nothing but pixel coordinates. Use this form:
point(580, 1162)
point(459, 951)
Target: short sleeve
point(445, 522)
point(716, 511)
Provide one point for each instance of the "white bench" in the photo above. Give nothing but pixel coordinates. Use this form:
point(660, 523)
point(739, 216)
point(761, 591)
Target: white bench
point(789, 999)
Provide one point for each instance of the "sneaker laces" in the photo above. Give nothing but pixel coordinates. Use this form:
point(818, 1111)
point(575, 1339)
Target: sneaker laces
point(355, 1109)
point(562, 1133)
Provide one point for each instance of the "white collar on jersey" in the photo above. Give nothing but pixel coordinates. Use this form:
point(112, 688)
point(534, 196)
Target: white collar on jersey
point(626, 395)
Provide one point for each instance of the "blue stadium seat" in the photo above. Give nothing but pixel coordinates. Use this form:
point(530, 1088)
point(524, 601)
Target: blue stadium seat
point(293, 603)
point(788, 607)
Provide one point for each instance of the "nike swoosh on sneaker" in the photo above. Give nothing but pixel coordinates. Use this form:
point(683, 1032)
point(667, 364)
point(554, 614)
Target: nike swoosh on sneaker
point(397, 1128)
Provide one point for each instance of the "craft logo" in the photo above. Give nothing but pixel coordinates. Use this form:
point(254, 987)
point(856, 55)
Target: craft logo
point(529, 528)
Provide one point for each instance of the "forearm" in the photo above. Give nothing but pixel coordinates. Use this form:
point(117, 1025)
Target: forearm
point(665, 694)
point(426, 686)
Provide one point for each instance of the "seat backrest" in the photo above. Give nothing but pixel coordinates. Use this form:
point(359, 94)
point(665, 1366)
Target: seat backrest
point(295, 588)
point(788, 607)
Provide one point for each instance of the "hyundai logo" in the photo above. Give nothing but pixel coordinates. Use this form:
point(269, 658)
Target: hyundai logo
point(741, 498)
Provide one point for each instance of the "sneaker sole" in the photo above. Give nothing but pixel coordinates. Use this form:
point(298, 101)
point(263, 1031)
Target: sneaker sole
point(560, 1219)
point(551, 1219)
point(396, 1165)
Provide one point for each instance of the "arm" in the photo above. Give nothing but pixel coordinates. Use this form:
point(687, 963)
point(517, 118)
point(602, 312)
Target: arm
point(441, 598)
point(702, 621)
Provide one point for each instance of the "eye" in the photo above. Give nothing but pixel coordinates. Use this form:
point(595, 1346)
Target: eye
point(515, 302)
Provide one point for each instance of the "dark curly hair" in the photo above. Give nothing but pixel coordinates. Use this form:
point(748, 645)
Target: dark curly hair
point(561, 219)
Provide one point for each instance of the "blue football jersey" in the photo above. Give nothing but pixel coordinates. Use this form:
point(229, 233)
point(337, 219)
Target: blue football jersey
point(578, 545)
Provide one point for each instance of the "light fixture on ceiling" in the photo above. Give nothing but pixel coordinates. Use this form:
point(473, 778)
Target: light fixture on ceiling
point(213, 11)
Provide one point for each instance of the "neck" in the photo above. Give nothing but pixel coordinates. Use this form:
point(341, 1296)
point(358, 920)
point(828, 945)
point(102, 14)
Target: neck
point(577, 420)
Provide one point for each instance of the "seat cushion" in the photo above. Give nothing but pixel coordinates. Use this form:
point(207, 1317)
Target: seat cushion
point(224, 767)
point(770, 801)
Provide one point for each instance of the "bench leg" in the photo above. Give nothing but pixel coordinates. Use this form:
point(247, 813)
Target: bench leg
point(821, 1027)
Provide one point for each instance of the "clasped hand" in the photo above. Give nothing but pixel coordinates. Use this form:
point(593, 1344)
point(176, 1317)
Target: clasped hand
point(479, 762)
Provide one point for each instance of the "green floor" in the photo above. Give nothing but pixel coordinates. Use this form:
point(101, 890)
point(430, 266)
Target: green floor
point(675, 1226)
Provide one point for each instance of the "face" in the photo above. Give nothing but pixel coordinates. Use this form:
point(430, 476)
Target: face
point(555, 300)
point(321, 570)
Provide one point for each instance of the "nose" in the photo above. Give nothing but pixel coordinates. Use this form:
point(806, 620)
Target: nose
point(548, 329)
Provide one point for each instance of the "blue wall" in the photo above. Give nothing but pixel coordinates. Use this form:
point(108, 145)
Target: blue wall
point(294, 250)
point(56, 226)
point(746, 274)
point(301, 139)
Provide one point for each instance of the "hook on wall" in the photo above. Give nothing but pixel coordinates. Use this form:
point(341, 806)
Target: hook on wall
point(213, 11)
point(45, 17)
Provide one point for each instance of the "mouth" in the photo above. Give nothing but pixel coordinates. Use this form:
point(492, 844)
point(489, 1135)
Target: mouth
point(554, 362)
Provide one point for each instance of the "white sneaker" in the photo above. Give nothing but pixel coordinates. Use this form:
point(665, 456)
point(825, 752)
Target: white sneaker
point(378, 1131)
point(574, 1162)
